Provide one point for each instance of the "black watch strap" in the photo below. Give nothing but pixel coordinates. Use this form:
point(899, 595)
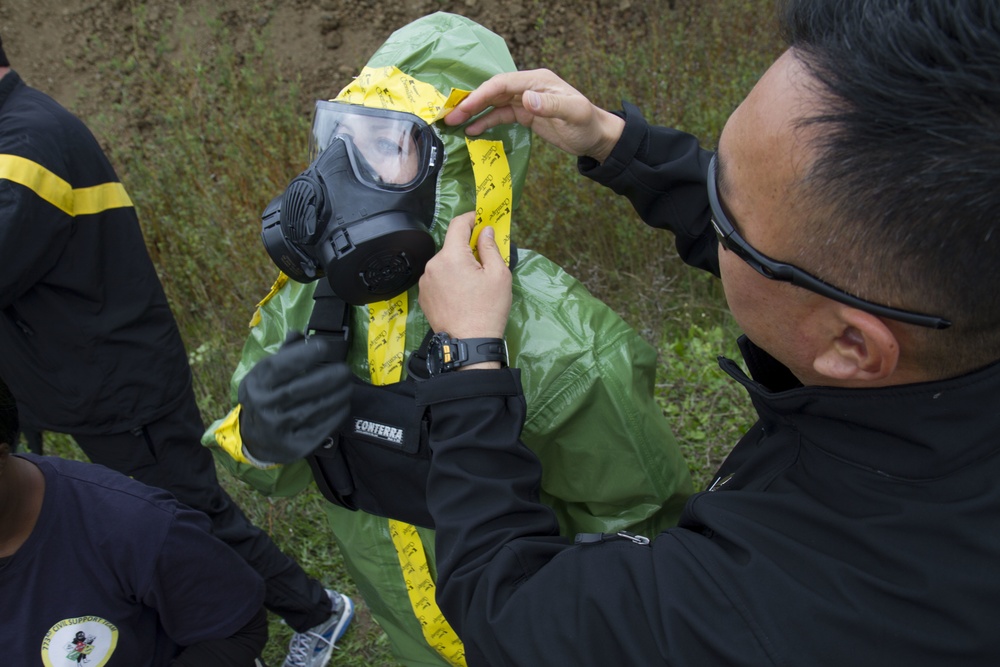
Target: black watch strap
point(445, 353)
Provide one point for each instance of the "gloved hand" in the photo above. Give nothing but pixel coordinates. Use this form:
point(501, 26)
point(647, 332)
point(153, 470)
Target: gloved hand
point(293, 401)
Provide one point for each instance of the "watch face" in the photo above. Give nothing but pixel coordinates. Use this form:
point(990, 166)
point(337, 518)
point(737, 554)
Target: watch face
point(436, 354)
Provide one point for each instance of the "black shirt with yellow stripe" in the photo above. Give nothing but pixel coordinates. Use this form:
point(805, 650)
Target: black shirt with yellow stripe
point(88, 344)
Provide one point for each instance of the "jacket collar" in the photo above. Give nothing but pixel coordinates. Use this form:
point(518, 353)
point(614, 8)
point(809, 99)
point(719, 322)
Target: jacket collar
point(914, 431)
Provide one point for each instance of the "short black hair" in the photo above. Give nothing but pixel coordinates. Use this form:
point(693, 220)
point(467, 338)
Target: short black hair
point(3, 56)
point(9, 425)
point(907, 175)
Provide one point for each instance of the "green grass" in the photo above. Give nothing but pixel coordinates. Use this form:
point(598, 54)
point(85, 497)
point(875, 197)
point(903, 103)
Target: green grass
point(205, 137)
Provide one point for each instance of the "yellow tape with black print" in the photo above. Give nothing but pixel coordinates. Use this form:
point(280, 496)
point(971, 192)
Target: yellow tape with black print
point(390, 88)
point(279, 282)
point(420, 588)
point(494, 192)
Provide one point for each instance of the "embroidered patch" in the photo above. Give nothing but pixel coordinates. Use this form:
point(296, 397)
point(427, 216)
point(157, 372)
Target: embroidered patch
point(382, 432)
point(85, 640)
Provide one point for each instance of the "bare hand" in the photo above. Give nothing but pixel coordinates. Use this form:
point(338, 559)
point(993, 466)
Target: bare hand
point(462, 296)
point(553, 109)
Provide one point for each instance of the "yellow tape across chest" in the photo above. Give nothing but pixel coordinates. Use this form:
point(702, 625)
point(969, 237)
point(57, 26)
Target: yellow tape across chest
point(389, 88)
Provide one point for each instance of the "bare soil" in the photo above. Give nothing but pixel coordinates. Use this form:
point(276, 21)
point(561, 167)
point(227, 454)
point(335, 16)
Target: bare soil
point(63, 46)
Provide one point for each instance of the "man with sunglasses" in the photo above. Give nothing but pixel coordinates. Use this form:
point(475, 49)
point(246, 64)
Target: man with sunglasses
point(850, 212)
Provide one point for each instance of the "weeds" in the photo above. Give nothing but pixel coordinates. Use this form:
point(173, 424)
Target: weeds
point(221, 135)
point(688, 69)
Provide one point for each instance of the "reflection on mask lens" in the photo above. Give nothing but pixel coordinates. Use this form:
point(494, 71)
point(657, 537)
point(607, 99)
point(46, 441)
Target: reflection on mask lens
point(389, 148)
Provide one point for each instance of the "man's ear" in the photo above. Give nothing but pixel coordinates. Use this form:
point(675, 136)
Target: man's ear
point(861, 349)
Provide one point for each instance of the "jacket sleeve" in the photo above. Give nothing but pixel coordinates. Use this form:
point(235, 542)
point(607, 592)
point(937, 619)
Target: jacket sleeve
point(33, 232)
point(663, 173)
point(517, 593)
point(207, 597)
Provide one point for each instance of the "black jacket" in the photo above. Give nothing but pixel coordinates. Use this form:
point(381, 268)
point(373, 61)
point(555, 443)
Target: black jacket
point(89, 343)
point(847, 527)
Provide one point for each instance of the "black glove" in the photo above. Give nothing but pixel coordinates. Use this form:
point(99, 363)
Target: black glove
point(294, 400)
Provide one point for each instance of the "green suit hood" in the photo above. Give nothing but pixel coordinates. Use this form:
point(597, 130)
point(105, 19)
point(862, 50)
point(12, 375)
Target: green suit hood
point(449, 52)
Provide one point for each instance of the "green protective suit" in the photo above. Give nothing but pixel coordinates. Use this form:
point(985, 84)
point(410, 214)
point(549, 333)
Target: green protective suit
point(610, 460)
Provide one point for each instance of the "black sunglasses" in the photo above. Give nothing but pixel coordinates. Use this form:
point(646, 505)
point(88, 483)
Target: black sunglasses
point(730, 239)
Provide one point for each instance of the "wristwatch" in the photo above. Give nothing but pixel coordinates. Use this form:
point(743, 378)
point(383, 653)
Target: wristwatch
point(445, 353)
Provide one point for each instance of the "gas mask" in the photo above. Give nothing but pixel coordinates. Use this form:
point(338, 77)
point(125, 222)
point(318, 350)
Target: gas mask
point(360, 213)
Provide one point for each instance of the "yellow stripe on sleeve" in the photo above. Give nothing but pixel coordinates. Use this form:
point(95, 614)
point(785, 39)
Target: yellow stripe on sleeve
point(58, 192)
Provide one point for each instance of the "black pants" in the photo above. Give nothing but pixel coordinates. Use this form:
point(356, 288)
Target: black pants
point(168, 454)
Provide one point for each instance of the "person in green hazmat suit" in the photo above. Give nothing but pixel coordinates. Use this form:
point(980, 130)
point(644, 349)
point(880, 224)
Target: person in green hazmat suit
point(610, 460)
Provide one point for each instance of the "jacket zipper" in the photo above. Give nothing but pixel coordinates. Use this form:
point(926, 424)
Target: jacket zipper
point(597, 538)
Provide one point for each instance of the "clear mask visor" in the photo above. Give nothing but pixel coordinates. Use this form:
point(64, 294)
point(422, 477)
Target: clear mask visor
point(391, 150)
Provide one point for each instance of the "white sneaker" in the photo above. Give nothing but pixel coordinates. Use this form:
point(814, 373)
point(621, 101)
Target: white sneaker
point(313, 647)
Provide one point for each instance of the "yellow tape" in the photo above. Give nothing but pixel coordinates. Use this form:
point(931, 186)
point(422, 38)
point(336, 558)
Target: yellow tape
point(58, 192)
point(279, 282)
point(390, 88)
point(227, 434)
point(420, 587)
point(387, 339)
point(494, 192)
point(386, 344)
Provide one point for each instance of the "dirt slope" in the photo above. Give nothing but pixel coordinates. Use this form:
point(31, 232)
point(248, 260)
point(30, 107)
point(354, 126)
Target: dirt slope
point(60, 46)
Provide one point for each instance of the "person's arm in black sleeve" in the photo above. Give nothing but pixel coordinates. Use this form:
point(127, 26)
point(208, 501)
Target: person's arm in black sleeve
point(238, 650)
point(25, 254)
point(504, 495)
point(33, 231)
point(662, 172)
point(481, 503)
point(208, 599)
point(518, 594)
